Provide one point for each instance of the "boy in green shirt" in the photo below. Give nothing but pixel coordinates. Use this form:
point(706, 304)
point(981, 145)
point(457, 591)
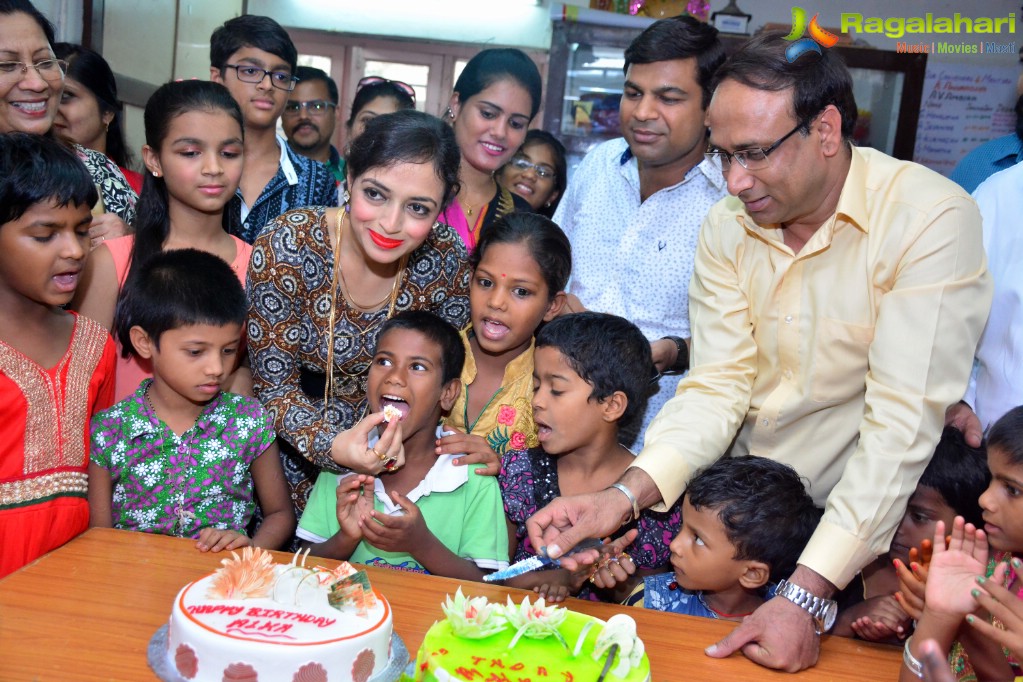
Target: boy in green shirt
point(420, 512)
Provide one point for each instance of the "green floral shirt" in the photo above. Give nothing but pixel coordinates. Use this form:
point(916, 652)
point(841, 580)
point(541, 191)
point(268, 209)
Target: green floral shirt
point(178, 485)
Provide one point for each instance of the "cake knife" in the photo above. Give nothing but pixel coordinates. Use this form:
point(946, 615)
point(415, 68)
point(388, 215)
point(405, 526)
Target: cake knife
point(535, 562)
point(607, 665)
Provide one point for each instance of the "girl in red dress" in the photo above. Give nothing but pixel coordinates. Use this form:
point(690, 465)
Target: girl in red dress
point(56, 368)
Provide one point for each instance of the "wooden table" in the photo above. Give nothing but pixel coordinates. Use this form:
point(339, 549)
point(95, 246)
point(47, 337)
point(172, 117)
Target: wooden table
point(88, 610)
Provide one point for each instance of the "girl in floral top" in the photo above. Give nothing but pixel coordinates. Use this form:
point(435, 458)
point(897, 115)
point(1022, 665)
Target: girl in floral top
point(180, 456)
point(521, 266)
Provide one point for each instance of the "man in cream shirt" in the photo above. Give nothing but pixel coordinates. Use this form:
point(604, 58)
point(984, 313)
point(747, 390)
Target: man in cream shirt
point(836, 303)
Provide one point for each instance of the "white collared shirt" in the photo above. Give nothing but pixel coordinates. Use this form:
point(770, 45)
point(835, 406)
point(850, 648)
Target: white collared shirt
point(634, 258)
point(996, 385)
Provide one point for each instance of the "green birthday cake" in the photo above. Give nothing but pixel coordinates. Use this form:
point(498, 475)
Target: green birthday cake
point(480, 641)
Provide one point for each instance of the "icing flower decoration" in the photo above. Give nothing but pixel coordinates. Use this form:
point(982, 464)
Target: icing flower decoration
point(474, 618)
point(621, 630)
point(246, 577)
point(506, 415)
point(536, 621)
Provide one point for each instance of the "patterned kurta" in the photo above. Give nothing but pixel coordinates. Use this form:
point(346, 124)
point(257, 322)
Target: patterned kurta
point(44, 436)
point(529, 482)
point(178, 485)
point(289, 288)
point(117, 195)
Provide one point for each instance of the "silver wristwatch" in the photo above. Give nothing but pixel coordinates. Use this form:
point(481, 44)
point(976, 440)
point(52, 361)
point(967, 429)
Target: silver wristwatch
point(822, 610)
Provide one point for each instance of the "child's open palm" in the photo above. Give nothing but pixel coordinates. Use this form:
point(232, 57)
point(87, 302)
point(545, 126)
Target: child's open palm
point(354, 501)
point(953, 570)
point(913, 579)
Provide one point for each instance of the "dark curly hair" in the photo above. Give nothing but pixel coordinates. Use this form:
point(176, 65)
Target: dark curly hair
point(766, 510)
point(606, 351)
point(408, 136)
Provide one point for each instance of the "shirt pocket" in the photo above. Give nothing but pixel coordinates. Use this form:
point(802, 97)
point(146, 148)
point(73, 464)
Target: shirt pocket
point(840, 360)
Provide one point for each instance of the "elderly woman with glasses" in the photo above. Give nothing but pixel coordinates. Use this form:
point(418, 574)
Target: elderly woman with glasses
point(538, 172)
point(31, 83)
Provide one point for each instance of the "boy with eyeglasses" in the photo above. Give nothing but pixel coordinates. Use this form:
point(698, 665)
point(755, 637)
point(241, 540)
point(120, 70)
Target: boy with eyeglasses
point(254, 58)
point(310, 117)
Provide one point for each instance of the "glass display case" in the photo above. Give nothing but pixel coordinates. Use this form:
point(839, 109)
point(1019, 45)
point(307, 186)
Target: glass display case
point(585, 84)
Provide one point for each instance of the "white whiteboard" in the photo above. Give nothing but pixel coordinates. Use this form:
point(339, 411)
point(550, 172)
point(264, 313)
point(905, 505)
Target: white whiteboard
point(963, 106)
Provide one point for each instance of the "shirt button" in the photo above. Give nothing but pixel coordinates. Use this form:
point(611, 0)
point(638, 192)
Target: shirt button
point(766, 422)
point(788, 319)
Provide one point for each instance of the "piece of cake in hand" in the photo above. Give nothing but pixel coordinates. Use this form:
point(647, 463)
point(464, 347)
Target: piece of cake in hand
point(529, 641)
point(391, 413)
point(257, 620)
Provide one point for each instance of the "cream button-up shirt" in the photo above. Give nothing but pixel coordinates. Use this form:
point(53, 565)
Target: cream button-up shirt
point(839, 360)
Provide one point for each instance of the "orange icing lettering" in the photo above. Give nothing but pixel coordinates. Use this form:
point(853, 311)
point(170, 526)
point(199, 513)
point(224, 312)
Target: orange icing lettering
point(469, 673)
point(496, 663)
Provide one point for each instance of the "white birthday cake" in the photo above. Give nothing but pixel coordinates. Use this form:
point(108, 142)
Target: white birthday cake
point(255, 620)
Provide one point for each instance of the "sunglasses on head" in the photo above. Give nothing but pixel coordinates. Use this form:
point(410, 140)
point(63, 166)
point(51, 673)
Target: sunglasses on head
point(373, 80)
